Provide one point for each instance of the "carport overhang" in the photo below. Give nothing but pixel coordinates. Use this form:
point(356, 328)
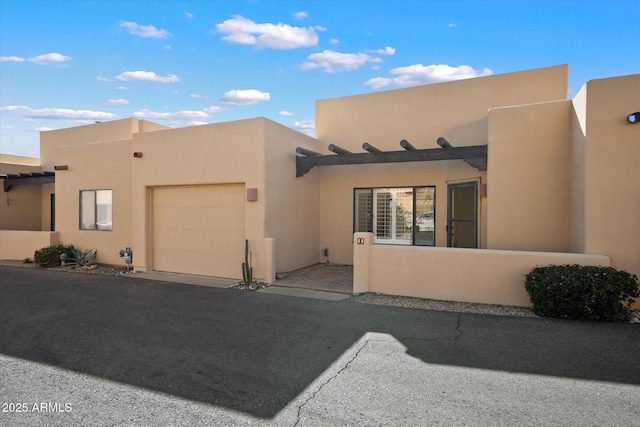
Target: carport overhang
point(475, 156)
point(28, 178)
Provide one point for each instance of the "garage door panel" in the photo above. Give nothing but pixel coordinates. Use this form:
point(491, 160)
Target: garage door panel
point(199, 230)
point(200, 264)
point(214, 242)
point(199, 219)
point(196, 197)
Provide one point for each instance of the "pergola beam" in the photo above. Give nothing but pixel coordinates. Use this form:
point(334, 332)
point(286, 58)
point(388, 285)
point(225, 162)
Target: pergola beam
point(29, 178)
point(472, 153)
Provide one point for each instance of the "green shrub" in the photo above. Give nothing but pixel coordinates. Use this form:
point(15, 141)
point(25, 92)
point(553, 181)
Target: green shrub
point(50, 256)
point(582, 292)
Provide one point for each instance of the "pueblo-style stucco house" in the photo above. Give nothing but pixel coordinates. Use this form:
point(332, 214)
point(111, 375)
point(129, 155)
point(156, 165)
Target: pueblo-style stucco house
point(449, 191)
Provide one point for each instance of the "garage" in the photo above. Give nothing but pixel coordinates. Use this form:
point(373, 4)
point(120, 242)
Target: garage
point(199, 230)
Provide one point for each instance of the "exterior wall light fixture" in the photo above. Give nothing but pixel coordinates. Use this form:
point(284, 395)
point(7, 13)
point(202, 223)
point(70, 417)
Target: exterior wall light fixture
point(61, 167)
point(137, 154)
point(634, 118)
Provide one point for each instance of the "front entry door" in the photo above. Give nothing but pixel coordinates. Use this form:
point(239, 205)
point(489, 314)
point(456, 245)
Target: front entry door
point(462, 215)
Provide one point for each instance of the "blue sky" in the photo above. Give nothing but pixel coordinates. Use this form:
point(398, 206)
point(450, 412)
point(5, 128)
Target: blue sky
point(184, 63)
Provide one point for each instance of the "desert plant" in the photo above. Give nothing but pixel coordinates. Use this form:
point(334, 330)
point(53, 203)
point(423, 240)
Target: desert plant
point(582, 292)
point(27, 260)
point(247, 270)
point(83, 258)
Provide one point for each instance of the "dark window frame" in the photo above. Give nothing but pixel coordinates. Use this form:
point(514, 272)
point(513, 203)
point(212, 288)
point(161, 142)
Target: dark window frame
point(413, 214)
point(95, 210)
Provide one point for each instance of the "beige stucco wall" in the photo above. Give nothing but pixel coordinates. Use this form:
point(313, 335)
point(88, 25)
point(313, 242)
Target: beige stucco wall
point(612, 171)
point(97, 132)
point(292, 214)
point(529, 177)
point(47, 191)
point(19, 160)
point(18, 245)
point(96, 166)
point(455, 110)
point(452, 274)
point(20, 208)
point(422, 114)
point(578, 163)
point(222, 153)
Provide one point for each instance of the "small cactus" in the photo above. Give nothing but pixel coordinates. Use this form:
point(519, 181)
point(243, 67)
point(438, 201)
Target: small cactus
point(247, 270)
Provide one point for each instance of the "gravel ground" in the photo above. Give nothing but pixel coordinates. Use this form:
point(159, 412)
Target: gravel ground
point(429, 304)
point(368, 298)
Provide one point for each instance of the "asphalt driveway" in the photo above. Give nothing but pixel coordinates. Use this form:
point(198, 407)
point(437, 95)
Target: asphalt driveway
point(255, 357)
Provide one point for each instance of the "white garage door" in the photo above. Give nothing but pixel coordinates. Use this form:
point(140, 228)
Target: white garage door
point(199, 230)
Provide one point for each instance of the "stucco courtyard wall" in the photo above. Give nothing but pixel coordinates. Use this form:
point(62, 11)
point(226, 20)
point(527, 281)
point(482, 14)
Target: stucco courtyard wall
point(18, 245)
point(452, 274)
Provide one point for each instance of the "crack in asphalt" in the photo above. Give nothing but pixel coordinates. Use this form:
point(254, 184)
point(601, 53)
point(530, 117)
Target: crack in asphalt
point(458, 330)
point(454, 338)
point(328, 381)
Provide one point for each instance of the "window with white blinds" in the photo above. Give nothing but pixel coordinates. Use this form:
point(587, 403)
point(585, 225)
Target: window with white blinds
point(400, 216)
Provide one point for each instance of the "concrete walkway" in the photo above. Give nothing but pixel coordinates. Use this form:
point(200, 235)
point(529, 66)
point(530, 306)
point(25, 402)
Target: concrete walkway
point(321, 277)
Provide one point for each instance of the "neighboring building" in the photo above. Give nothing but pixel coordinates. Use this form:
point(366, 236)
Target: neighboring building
point(525, 170)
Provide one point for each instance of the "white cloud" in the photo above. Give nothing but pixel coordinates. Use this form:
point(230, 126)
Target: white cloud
point(179, 115)
point(57, 113)
point(286, 113)
point(167, 47)
point(189, 15)
point(197, 123)
point(147, 31)
point(49, 58)
point(245, 97)
point(452, 25)
point(117, 101)
point(300, 15)
point(7, 127)
point(419, 74)
point(195, 95)
point(386, 51)
point(147, 76)
point(305, 126)
point(241, 30)
point(103, 79)
point(332, 61)
point(121, 88)
point(213, 109)
point(334, 41)
point(11, 59)
point(43, 129)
